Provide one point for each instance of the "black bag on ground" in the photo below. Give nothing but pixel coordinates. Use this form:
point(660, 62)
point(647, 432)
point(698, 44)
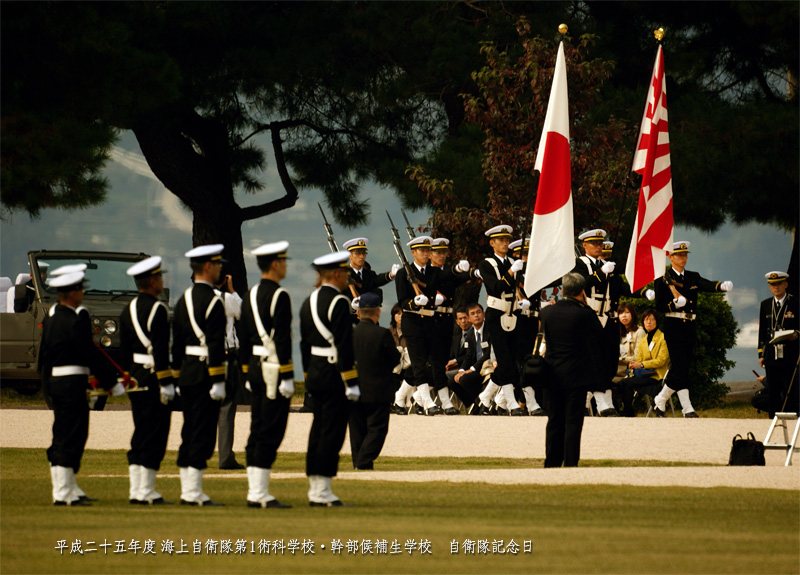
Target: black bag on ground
point(748, 451)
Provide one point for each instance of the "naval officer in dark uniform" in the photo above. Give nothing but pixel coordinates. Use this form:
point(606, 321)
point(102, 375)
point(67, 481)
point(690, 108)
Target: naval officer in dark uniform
point(265, 350)
point(500, 278)
point(198, 353)
point(67, 357)
point(676, 300)
point(375, 355)
point(362, 278)
point(419, 304)
point(144, 348)
point(779, 313)
point(326, 344)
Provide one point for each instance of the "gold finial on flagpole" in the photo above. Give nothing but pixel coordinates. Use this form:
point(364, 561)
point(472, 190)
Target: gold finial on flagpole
point(562, 29)
point(659, 34)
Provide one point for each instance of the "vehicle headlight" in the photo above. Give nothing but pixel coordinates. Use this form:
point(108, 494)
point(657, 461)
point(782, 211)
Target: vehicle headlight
point(106, 341)
point(110, 326)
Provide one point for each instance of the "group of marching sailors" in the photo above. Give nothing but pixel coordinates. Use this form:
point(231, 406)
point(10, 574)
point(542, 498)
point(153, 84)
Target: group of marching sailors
point(434, 359)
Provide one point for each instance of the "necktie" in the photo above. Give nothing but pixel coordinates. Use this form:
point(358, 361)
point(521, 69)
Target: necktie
point(777, 306)
point(478, 350)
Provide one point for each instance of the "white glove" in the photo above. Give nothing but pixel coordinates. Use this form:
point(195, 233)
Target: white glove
point(545, 303)
point(217, 391)
point(650, 294)
point(167, 393)
point(679, 302)
point(462, 266)
point(726, 286)
point(395, 269)
point(421, 299)
point(247, 386)
point(517, 266)
point(608, 267)
point(439, 299)
point(523, 304)
point(178, 390)
point(118, 390)
point(93, 402)
point(353, 393)
point(478, 274)
point(286, 388)
point(354, 303)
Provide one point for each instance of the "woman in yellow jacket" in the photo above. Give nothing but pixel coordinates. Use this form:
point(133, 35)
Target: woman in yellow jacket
point(651, 363)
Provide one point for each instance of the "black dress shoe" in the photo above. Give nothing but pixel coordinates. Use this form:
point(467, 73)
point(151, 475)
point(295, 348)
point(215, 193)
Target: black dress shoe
point(208, 503)
point(691, 415)
point(336, 503)
point(538, 412)
point(234, 465)
point(658, 412)
point(77, 503)
point(500, 411)
point(136, 502)
point(87, 498)
point(519, 411)
point(274, 504)
point(397, 410)
point(434, 410)
point(610, 412)
point(158, 501)
point(451, 411)
point(483, 410)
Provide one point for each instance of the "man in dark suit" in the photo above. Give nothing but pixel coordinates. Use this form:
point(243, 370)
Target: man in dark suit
point(198, 354)
point(326, 343)
point(458, 344)
point(779, 313)
point(468, 382)
point(375, 355)
point(571, 331)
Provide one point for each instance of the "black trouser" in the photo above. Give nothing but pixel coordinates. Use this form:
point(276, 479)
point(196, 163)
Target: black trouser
point(468, 387)
point(267, 424)
point(71, 420)
point(426, 358)
point(442, 340)
point(227, 410)
point(527, 330)
point(608, 345)
point(564, 426)
point(681, 337)
point(151, 420)
point(369, 424)
point(325, 440)
point(646, 385)
point(199, 433)
point(779, 375)
point(504, 344)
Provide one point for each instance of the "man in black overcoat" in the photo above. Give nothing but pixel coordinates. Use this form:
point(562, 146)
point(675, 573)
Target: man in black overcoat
point(571, 331)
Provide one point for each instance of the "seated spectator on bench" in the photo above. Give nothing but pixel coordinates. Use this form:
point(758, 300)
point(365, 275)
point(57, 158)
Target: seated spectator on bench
point(629, 335)
point(649, 367)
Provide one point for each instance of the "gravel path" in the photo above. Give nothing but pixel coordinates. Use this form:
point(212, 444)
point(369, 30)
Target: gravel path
point(701, 441)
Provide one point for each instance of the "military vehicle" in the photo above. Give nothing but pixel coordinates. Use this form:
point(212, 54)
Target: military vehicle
point(108, 290)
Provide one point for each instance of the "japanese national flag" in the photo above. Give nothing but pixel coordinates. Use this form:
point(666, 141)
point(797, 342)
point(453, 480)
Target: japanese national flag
point(551, 253)
point(652, 233)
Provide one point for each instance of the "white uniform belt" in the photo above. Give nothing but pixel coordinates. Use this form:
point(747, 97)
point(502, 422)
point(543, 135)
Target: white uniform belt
point(529, 313)
point(425, 312)
point(261, 351)
point(143, 359)
point(319, 351)
point(681, 315)
point(198, 350)
point(442, 309)
point(498, 303)
point(65, 370)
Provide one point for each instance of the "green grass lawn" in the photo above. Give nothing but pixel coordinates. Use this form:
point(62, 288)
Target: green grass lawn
point(572, 529)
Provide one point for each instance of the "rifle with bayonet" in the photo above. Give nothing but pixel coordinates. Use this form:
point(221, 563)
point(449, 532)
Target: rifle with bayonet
point(398, 247)
point(409, 229)
point(334, 248)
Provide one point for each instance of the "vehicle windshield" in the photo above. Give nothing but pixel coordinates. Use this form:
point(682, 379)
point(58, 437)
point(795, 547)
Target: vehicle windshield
point(101, 275)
